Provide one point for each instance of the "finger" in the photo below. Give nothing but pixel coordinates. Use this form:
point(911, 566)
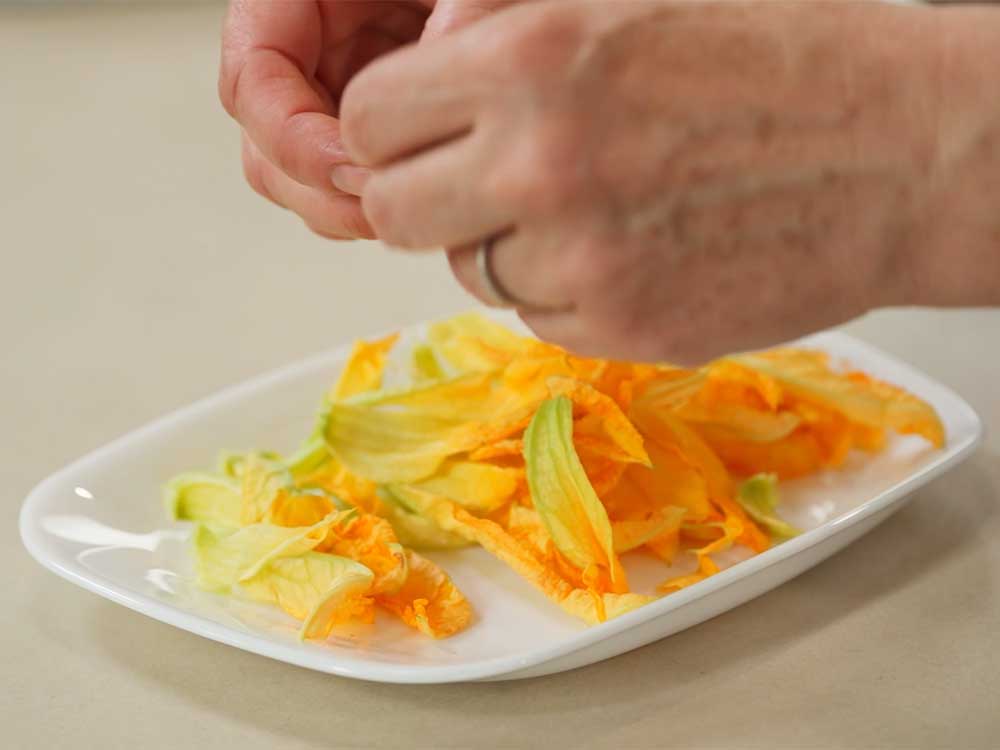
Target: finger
point(340, 63)
point(326, 212)
point(452, 15)
point(410, 99)
point(270, 54)
point(523, 273)
point(434, 199)
point(253, 170)
point(344, 19)
point(374, 29)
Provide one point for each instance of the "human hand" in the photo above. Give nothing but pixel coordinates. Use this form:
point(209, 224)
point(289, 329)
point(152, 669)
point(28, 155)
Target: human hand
point(672, 180)
point(284, 67)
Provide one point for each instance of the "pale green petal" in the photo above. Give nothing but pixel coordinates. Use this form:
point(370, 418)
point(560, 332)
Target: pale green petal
point(759, 498)
point(231, 464)
point(392, 446)
point(415, 530)
point(308, 458)
point(563, 496)
point(225, 556)
point(424, 364)
point(203, 497)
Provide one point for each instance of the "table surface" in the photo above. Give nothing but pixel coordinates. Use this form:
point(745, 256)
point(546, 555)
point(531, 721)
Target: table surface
point(140, 274)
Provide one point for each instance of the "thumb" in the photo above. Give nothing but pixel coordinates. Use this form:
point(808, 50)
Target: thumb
point(452, 15)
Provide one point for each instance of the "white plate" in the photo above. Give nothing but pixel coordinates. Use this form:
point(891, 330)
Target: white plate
point(99, 523)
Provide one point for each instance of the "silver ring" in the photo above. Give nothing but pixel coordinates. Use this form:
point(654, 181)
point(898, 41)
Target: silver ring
point(496, 290)
point(484, 264)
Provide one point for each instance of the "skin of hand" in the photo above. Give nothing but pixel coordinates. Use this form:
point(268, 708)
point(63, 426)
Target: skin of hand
point(284, 68)
point(680, 180)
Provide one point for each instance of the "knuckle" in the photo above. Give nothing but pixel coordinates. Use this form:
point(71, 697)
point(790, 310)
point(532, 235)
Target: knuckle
point(235, 76)
point(546, 173)
point(508, 185)
point(547, 39)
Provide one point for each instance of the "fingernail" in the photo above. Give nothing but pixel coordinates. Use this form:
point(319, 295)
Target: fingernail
point(350, 179)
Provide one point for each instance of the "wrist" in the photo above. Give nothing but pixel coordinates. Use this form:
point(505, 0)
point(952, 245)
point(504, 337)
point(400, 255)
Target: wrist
point(956, 246)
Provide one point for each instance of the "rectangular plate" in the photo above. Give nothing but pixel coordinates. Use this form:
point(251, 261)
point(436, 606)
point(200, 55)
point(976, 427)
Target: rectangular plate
point(99, 524)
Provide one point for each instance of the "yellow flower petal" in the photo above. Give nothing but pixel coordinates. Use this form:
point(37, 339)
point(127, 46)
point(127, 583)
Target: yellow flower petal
point(406, 436)
point(509, 448)
point(364, 368)
point(392, 446)
point(473, 343)
point(806, 374)
point(739, 422)
point(260, 484)
point(603, 418)
point(665, 434)
point(290, 508)
point(428, 601)
point(321, 590)
point(732, 528)
point(479, 487)
point(634, 533)
point(371, 541)
point(595, 608)
point(413, 529)
point(333, 478)
point(589, 605)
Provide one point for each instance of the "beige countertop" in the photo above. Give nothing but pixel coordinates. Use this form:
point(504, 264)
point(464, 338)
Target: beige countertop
point(139, 273)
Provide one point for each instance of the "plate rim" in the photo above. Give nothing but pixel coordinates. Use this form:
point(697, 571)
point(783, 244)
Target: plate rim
point(346, 665)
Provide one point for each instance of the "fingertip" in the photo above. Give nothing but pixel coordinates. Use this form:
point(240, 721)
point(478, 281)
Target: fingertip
point(354, 221)
point(307, 147)
point(350, 179)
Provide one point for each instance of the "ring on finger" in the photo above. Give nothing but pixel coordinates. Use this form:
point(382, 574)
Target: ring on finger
point(495, 289)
